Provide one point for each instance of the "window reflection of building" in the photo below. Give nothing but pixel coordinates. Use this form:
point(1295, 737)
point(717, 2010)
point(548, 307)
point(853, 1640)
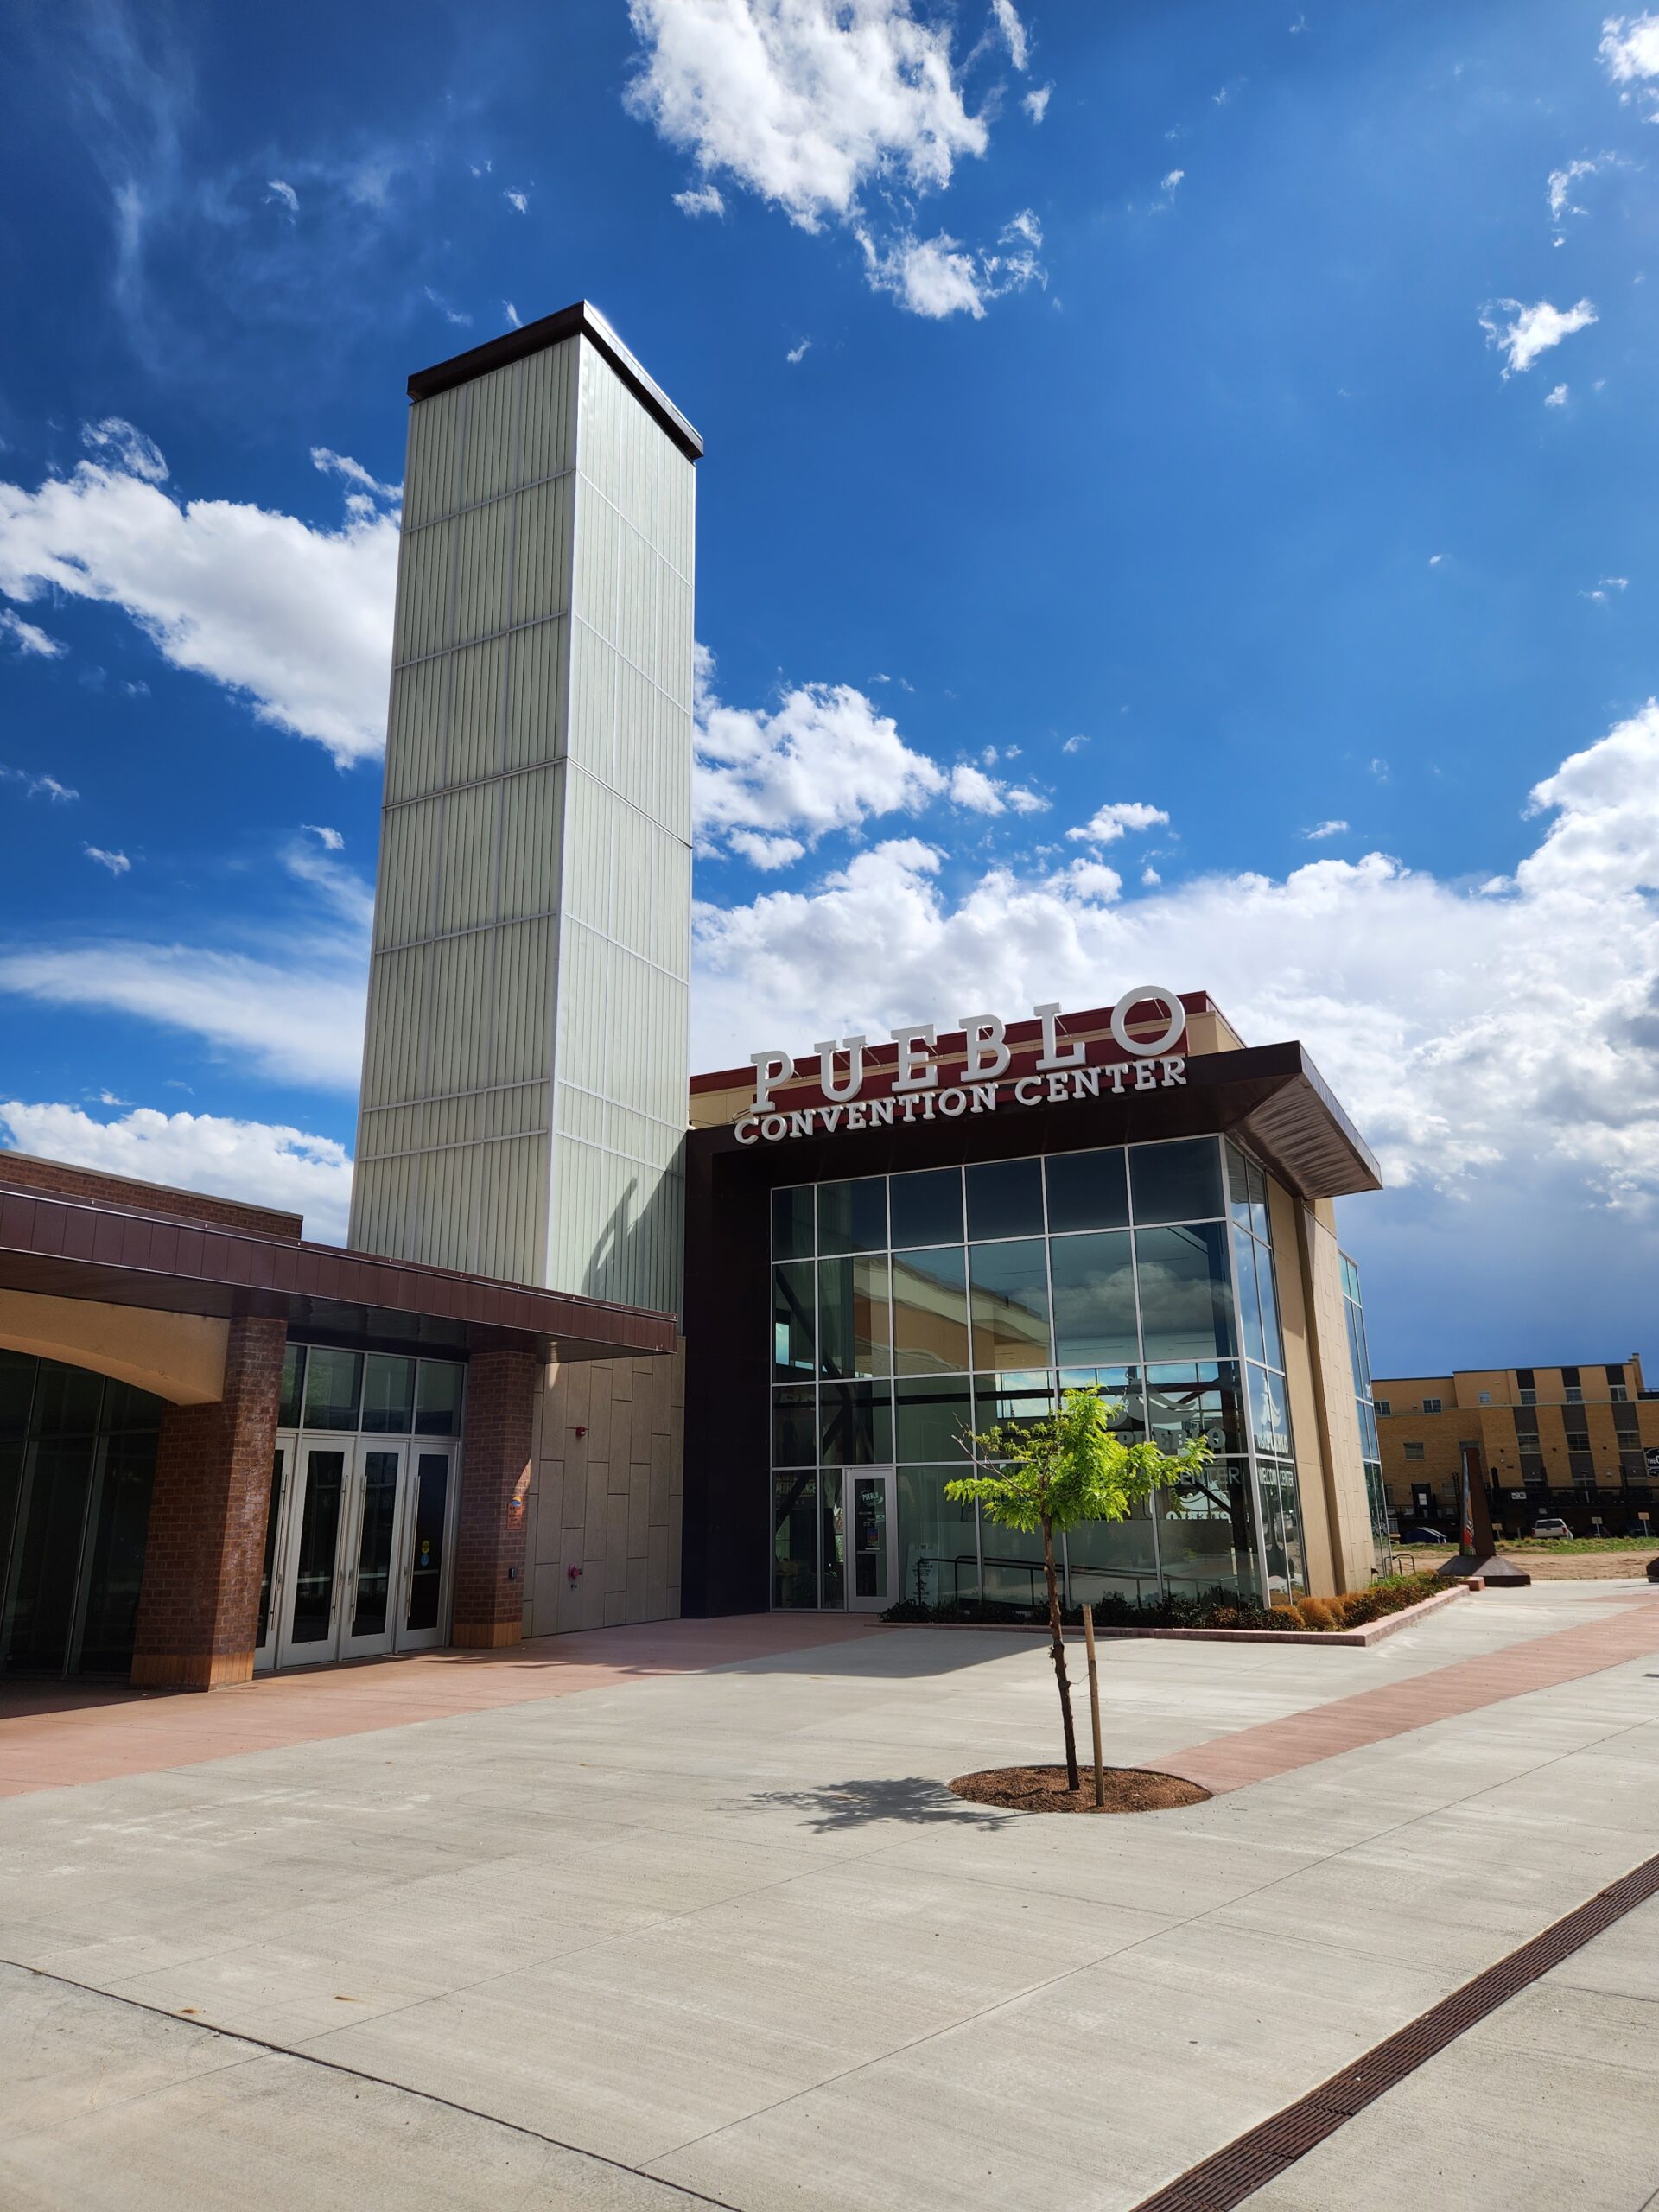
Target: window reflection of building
point(913, 1309)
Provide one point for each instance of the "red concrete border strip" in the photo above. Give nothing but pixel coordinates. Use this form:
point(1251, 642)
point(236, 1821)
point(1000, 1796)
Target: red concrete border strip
point(1346, 1724)
point(55, 1734)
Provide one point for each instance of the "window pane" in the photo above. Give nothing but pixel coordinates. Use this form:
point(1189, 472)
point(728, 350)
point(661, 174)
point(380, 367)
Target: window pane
point(1000, 1398)
point(1087, 1190)
point(1011, 1564)
point(938, 1556)
point(791, 1224)
point(1270, 1416)
point(1259, 1221)
point(1113, 1559)
point(794, 1542)
point(388, 1396)
point(794, 1427)
point(287, 1412)
point(1281, 1530)
point(1250, 1304)
point(66, 1399)
point(855, 1331)
point(1238, 1187)
point(1176, 1182)
point(1203, 1399)
point(332, 1381)
point(931, 1419)
point(833, 1556)
point(1268, 1294)
point(1005, 1198)
point(438, 1387)
point(930, 1312)
point(852, 1217)
point(856, 1424)
point(1094, 1300)
point(791, 1319)
point(117, 1562)
point(1186, 1298)
point(1206, 1534)
point(1009, 1287)
point(127, 1408)
point(926, 1206)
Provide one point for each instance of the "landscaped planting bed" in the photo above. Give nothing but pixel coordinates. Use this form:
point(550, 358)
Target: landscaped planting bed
point(1218, 1609)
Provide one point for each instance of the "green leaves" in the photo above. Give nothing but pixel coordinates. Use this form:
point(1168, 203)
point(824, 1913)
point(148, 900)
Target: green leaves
point(1069, 1468)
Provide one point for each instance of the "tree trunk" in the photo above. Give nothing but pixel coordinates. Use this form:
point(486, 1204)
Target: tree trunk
point(1056, 1644)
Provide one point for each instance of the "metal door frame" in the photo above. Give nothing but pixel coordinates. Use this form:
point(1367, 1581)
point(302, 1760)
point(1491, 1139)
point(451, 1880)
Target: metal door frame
point(447, 1448)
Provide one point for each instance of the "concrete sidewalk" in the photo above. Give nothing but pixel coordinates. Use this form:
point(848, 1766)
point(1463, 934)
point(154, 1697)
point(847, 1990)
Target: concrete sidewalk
point(727, 1929)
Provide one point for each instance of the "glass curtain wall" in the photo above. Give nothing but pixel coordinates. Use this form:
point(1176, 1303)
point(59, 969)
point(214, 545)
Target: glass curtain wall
point(1376, 1496)
point(77, 1465)
point(909, 1309)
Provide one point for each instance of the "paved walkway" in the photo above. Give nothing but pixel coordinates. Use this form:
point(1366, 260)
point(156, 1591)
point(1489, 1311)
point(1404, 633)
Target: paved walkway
point(723, 1930)
point(52, 1735)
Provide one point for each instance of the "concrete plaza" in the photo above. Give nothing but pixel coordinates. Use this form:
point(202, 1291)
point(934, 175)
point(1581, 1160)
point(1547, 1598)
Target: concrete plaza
point(658, 1917)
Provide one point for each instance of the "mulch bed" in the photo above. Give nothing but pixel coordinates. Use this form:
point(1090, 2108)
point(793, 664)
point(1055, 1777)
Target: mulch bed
point(1042, 1789)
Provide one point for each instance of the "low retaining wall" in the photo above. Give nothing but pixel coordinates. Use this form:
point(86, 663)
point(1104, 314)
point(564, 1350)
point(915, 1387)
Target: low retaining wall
point(1372, 1633)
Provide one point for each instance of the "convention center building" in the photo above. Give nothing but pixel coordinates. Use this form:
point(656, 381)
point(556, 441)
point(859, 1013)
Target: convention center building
point(599, 1349)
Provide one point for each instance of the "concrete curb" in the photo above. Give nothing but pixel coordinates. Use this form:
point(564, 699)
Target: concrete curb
point(1373, 1632)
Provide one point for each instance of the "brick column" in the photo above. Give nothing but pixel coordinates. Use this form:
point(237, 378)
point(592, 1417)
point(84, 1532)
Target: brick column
point(498, 1441)
point(199, 1602)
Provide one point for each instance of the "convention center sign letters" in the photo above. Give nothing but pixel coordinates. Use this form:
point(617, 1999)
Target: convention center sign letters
point(919, 1079)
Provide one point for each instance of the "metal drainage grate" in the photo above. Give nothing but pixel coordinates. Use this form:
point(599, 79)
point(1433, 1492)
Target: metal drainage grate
point(1256, 2157)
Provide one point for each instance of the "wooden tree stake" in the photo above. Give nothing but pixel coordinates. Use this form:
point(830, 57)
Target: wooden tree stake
point(1094, 1704)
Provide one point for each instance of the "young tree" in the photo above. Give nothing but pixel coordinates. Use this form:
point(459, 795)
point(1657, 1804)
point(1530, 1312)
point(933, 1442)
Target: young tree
point(1053, 1473)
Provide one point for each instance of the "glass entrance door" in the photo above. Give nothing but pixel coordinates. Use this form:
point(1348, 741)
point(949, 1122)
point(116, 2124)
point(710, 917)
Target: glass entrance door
point(371, 1579)
point(872, 1543)
point(427, 1512)
point(309, 1629)
point(271, 1579)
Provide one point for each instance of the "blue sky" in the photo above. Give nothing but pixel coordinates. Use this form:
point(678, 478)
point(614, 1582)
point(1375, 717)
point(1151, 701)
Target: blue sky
point(1240, 415)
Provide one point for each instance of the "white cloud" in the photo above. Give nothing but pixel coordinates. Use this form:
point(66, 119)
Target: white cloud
point(1604, 585)
point(450, 314)
point(115, 441)
point(28, 638)
point(267, 1164)
point(1556, 396)
point(1009, 22)
point(1172, 181)
point(285, 193)
point(1035, 103)
point(1333, 829)
point(1630, 47)
point(330, 840)
point(1528, 332)
point(116, 863)
point(296, 620)
point(1435, 559)
point(1115, 819)
point(1515, 1025)
point(804, 102)
point(816, 105)
point(1150, 876)
point(797, 354)
point(769, 785)
point(520, 200)
point(342, 465)
point(1558, 192)
point(38, 786)
point(512, 315)
point(938, 277)
point(1074, 745)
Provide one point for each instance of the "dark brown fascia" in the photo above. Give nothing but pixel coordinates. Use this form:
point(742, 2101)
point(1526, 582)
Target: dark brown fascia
point(63, 1248)
point(580, 320)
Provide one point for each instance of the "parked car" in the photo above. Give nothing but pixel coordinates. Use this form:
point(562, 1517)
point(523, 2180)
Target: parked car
point(1550, 1527)
point(1423, 1536)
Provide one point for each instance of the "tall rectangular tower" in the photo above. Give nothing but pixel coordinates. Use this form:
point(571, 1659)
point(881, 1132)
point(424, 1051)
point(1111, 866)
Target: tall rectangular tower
point(523, 1102)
